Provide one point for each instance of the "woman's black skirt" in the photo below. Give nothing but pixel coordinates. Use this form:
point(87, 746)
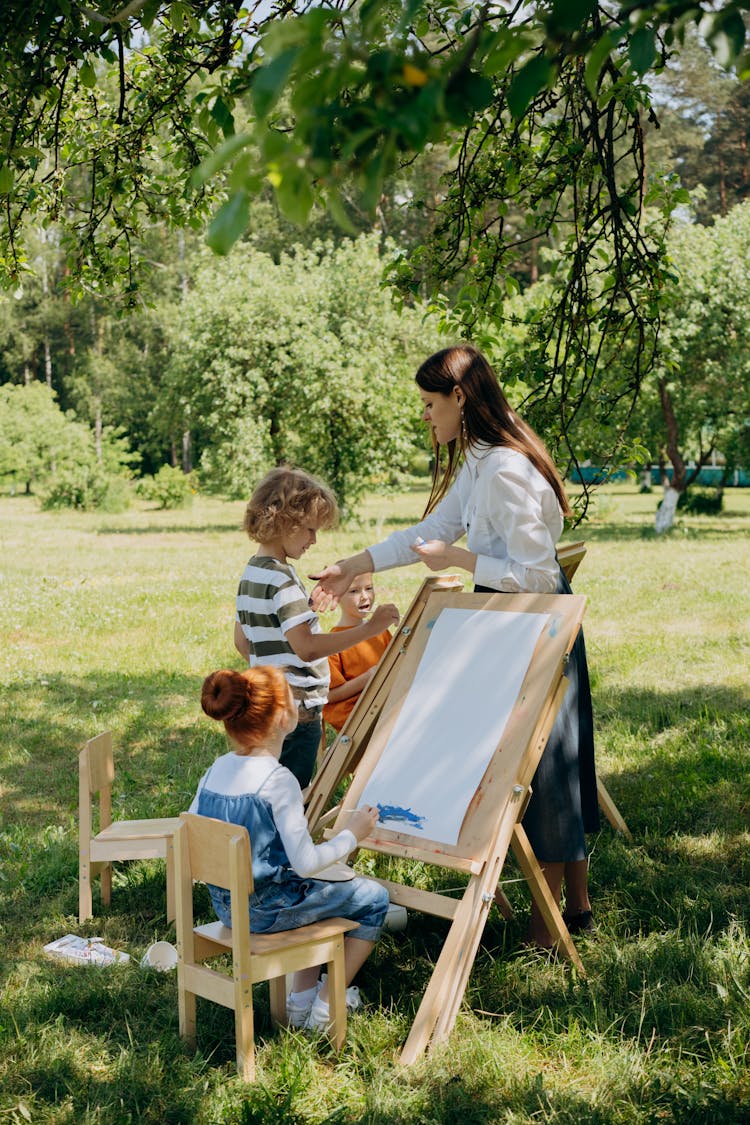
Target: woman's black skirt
point(564, 804)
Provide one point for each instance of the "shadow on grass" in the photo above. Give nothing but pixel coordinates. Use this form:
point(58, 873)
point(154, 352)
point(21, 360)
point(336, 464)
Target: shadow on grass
point(690, 771)
point(667, 969)
point(155, 758)
point(628, 532)
point(173, 529)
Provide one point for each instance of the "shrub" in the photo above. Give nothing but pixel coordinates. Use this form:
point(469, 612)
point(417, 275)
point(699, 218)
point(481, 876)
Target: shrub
point(85, 487)
point(702, 501)
point(170, 487)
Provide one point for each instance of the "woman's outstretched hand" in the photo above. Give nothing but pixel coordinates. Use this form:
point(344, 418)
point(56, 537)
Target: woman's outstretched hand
point(433, 554)
point(437, 555)
point(331, 584)
point(335, 580)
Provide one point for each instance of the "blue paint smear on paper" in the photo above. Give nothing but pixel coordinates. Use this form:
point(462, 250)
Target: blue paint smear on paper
point(397, 812)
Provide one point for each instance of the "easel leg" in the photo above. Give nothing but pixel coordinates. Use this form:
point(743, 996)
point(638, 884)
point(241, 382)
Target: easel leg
point(611, 811)
point(442, 999)
point(550, 910)
point(501, 902)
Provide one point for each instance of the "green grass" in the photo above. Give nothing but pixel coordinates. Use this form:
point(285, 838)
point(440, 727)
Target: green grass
point(111, 622)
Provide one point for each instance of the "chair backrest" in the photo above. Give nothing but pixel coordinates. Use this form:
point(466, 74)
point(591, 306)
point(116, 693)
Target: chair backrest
point(213, 851)
point(100, 763)
point(96, 772)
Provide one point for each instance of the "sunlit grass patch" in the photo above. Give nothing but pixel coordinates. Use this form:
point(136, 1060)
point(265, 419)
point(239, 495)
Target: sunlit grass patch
point(110, 622)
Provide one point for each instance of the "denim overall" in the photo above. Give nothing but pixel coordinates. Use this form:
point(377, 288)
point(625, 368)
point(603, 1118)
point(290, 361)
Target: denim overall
point(282, 899)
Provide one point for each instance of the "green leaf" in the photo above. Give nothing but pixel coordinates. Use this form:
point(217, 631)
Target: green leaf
point(338, 213)
point(229, 223)
point(597, 57)
point(416, 118)
point(87, 74)
point(296, 32)
point(727, 38)
point(218, 159)
point(531, 78)
point(569, 15)
point(177, 17)
point(270, 80)
point(375, 174)
point(222, 115)
point(505, 47)
point(466, 94)
point(411, 8)
point(642, 49)
point(295, 195)
point(6, 180)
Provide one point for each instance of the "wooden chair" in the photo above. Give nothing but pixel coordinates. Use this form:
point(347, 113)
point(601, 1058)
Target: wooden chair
point(212, 851)
point(121, 840)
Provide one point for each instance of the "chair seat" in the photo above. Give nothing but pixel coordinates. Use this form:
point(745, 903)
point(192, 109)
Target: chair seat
point(138, 829)
point(264, 944)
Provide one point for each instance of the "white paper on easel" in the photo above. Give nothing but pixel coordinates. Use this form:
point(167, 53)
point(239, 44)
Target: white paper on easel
point(452, 720)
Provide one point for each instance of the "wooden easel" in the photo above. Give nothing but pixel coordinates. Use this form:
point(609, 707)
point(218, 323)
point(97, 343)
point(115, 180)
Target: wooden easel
point(346, 750)
point(492, 821)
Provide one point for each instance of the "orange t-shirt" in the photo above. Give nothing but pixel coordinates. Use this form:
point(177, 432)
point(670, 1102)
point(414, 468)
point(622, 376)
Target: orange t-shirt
point(346, 666)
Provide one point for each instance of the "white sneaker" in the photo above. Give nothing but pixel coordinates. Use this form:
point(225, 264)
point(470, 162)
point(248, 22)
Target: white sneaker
point(298, 1012)
point(353, 999)
point(319, 1016)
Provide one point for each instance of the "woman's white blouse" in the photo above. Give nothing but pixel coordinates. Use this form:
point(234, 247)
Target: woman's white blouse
point(511, 518)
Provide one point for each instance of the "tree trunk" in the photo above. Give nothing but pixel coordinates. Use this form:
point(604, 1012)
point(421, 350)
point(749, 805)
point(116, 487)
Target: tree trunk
point(664, 518)
point(665, 513)
point(47, 362)
point(187, 463)
point(98, 427)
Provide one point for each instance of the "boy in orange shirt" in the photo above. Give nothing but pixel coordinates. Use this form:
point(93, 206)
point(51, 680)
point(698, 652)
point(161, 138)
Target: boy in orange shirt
point(352, 669)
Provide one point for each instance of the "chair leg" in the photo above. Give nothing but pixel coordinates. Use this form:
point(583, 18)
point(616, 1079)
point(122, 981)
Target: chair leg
point(106, 884)
point(85, 905)
point(186, 1010)
point(337, 995)
point(244, 1031)
point(277, 990)
point(171, 907)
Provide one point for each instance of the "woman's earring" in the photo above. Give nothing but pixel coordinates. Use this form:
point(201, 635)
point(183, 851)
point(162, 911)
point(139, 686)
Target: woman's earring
point(463, 427)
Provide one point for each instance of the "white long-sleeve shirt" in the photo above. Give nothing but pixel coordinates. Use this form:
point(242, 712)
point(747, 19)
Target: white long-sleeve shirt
point(511, 517)
point(238, 775)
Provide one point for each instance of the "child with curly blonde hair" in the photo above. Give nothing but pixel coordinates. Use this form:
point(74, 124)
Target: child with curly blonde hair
point(274, 623)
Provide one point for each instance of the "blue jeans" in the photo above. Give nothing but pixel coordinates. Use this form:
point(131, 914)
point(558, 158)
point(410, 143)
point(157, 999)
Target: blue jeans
point(296, 902)
point(300, 750)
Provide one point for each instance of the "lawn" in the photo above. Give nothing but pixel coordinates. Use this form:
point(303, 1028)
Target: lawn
point(111, 622)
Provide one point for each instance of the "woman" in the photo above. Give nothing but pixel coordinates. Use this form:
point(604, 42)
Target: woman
point(500, 487)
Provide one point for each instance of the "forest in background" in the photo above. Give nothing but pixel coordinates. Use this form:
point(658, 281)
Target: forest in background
point(294, 346)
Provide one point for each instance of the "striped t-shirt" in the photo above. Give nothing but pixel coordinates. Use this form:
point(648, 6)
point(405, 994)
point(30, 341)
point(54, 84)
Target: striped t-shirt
point(271, 600)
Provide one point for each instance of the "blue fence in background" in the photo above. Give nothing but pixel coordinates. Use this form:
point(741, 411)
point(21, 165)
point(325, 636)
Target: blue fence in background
point(708, 476)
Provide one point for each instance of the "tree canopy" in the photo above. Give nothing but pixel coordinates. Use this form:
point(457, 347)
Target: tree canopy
point(108, 109)
point(117, 119)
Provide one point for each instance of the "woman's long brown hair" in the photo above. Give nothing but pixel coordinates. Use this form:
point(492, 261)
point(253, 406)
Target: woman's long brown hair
point(488, 418)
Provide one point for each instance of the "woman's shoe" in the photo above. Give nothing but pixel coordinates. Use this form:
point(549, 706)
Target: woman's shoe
point(580, 923)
